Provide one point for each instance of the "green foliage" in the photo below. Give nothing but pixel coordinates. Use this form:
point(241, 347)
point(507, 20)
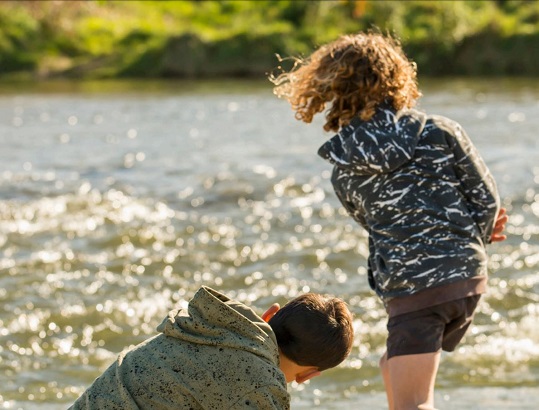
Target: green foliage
point(233, 37)
point(18, 36)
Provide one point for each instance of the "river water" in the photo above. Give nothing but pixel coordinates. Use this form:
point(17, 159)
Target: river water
point(118, 200)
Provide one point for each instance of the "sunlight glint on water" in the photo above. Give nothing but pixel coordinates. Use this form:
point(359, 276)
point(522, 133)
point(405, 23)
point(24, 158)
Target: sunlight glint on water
point(114, 208)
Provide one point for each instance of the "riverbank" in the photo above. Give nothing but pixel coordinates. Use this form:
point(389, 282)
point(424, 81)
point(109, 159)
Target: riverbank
point(192, 39)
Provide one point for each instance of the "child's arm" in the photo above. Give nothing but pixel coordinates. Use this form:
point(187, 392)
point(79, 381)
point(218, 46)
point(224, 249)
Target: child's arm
point(271, 397)
point(358, 214)
point(476, 183)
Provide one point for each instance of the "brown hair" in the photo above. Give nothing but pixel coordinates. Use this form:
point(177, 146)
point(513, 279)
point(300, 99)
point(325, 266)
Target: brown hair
point(355, 73)
point(313, 330)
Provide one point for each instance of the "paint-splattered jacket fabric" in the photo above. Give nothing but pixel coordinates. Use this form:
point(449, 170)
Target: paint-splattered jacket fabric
point(217, 355)
point(418, 186)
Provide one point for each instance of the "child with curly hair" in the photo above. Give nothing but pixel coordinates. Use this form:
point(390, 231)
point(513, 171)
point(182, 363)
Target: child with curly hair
point(417, 184)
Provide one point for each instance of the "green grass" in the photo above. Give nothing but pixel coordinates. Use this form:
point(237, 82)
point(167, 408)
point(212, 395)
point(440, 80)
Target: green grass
point(223, 38)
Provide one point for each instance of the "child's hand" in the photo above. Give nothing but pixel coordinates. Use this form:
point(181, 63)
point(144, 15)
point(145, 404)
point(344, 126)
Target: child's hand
point(499, 226)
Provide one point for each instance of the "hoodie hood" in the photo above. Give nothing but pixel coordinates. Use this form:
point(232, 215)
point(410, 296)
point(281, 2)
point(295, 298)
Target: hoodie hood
point(214, 319)
point(218, 354)
point(380, 145)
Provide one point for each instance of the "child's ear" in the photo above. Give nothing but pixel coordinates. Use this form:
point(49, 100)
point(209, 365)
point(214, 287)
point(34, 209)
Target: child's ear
point(307, 375)
point(268, 314)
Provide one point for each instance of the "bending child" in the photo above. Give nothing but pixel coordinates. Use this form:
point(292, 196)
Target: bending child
point(418, 186)
point(220, 354)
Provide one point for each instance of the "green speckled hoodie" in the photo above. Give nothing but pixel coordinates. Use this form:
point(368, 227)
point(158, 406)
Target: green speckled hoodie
point(217, 355)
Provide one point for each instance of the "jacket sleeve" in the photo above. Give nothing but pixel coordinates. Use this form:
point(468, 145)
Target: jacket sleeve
point(271, 397)
point(352, 207)
point(476, 183)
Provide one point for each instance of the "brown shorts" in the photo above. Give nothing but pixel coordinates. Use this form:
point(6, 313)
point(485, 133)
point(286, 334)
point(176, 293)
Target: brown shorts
point(431, 329)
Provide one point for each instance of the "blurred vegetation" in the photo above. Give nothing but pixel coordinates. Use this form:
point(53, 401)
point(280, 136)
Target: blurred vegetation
point(97, 39)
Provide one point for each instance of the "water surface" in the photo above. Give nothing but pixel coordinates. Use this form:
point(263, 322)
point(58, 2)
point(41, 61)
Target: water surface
point(118, 200)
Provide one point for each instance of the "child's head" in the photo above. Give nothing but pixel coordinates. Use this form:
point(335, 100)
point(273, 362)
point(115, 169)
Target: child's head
point(355, 73)
point(313, 331)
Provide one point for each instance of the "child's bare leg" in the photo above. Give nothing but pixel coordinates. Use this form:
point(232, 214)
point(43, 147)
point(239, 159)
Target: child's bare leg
point(385, 375)
point(411, 381)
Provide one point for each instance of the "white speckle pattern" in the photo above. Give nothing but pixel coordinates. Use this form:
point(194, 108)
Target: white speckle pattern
point(418, 186)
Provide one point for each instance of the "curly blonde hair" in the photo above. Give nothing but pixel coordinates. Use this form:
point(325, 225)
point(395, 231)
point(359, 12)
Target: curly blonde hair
point(355, 73)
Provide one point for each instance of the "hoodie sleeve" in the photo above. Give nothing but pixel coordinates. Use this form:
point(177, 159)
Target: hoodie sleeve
point(353, 208)
point(476, 183)
point(271, 397)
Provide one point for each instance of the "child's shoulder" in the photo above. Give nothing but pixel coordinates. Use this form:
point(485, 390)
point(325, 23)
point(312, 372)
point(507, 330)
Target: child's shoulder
point(440, 122)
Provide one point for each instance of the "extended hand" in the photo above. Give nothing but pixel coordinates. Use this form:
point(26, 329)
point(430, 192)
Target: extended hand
point(499, 226)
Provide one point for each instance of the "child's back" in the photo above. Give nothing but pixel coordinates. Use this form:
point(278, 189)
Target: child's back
point(407, 178)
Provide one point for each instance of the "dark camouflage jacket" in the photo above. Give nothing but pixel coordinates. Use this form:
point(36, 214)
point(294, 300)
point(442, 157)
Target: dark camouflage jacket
point(418, 186)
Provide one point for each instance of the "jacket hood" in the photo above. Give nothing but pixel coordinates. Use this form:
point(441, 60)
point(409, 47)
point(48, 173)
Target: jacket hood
point(379, 145)
point(214, 319)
